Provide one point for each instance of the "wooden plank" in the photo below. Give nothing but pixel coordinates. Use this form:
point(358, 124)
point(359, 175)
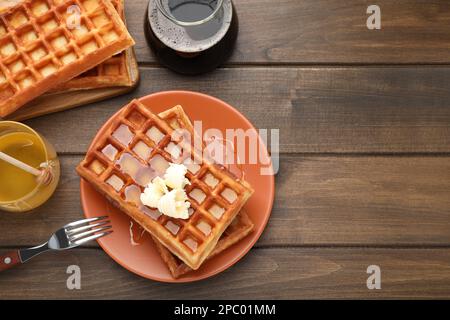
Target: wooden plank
point(324, 31)
point(361, 200)
point(285, 273)
point(60, 101)
point(368, 201)
point(325, 110)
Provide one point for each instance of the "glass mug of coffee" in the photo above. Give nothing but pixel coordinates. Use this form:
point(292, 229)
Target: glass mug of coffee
point(191, 36)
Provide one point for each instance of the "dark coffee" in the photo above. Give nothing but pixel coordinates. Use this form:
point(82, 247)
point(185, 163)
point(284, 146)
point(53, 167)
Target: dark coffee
point(192, 49)
point(191, 11)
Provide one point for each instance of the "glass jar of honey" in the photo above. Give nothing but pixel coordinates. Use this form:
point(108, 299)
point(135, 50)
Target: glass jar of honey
point(21, 191)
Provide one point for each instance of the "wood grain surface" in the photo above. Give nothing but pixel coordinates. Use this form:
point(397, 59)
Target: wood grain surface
point(274, 273)
point(328, 32)
point(318, 110)
point(364, 119)
point(357, 201)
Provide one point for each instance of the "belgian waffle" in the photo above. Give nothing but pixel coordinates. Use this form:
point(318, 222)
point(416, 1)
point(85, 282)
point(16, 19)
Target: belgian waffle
point(114, 72)
point(39, 50)
point(138, 145)
point(236, 231)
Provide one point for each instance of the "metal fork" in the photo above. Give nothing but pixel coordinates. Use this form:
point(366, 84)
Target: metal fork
point(70, 236)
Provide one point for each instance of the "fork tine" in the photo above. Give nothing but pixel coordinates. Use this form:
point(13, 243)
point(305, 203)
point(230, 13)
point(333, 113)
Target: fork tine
point(88, 233)
point(95, 236)
point(84, 221)
point(74, 231)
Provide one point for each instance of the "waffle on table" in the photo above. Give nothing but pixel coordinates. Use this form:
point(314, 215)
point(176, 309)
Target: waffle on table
point(38, 50)
point(236, 231)
point(138, 145)
point(114, 72)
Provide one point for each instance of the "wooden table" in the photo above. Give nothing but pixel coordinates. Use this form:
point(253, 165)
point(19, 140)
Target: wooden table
point(364, 117)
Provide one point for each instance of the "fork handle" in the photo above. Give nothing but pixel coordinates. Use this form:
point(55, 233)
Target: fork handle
point(10, 260)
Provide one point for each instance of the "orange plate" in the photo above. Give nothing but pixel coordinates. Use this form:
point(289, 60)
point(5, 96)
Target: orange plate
point(144, 259)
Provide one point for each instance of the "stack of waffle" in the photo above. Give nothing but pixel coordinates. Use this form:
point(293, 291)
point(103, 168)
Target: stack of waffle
point(57, 46)
point(135, 147)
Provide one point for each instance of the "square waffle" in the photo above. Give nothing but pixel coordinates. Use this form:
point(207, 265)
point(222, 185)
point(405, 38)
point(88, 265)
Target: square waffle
point(38, 49)
point(137, 146)
point(239, 228)
point(114, 72)
point(236, 231)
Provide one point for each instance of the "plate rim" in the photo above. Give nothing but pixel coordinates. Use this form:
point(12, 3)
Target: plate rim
point(242, 253)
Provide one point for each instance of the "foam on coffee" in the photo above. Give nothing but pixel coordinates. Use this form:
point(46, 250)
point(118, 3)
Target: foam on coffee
point(190, 39)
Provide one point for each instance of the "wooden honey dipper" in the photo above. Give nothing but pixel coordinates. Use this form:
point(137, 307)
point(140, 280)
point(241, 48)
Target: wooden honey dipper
point(43, 176)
